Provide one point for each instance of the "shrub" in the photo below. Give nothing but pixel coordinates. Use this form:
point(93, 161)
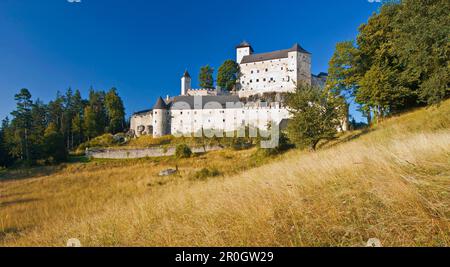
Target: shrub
point(205, 173)
point(105, 140)
point(183, 151)
point(149, 141)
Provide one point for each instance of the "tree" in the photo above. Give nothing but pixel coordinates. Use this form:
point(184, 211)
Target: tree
point(314, 117)
point(183, 151)
point(228, 74)
point(5, 158)
point(38, 125)
point(55, 148)
point(115, 111)
point(23, 121)
point(95, 117)
point(206, 77)
point(79, 104)
point(421, 45)
point(56, 111)
point(400, 60)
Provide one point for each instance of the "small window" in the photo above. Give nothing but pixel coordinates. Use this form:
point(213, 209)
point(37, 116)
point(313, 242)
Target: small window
point(257, 80)
point(251, 72)
point(267, 70)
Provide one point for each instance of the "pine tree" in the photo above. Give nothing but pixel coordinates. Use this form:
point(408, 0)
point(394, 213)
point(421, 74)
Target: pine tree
point(55, 148)
point(23, 122)
point(95, 117)
point(115, 111)
point(4, 153)
point(38, 126)
point(77, 121)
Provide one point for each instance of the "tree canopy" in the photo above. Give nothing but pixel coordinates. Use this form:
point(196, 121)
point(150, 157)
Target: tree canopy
point(399, 60)
point(206, 77)
point(228, 74)
point(46, 132)
point(315, 116)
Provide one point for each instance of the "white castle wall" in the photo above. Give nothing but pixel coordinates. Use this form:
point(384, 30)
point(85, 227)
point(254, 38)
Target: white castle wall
point(139, 120)
point(266, 76)
point(226, 120)
point(276, 75)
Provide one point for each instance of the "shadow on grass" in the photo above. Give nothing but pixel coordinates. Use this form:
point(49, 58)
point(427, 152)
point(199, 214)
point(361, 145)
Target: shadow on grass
point(21, 173)
point(19, 201)
point(346, 138)
point(13, 231)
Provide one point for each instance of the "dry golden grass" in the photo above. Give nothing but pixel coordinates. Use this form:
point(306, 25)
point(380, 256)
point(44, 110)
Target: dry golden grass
point(392, 183)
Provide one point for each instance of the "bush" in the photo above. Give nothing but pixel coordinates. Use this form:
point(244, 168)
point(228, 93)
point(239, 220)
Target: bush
point(205, 173)
point(183, 151)
point(150, 141)
point(106, 140)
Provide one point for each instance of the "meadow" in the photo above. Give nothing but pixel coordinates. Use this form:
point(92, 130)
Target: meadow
point(390, 182)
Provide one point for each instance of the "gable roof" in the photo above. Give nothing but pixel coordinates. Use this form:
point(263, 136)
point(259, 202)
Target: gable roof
point(142, 112)
point(160, 104)
point(273, 55)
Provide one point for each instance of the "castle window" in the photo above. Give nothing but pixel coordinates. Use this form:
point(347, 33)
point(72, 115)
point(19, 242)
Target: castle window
point(251, 72)
point(156, 112)
point(181, 112)
point(251, 81)
point(257, 71)
point(264, 79)
point(257, 80)
point(267, 70)
point(281, 68)
point(223, 120)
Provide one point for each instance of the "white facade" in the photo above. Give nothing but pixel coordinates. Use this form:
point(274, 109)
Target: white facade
point(142, 123)
point(224, 120)
point(278, 71)
point(274, 72)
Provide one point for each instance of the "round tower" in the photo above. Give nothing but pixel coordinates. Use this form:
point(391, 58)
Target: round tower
point(160, 118)
point(185, 83)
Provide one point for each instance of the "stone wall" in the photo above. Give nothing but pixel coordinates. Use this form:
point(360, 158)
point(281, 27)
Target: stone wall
point(140, 153)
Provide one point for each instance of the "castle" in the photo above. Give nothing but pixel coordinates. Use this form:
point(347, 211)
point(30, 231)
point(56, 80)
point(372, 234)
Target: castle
point(256, 101)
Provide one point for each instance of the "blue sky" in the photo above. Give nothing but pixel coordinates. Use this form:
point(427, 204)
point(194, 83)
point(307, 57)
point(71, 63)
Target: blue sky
point(142, 47)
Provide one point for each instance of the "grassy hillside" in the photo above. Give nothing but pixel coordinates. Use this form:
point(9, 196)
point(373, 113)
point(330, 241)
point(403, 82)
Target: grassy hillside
point(392, 183)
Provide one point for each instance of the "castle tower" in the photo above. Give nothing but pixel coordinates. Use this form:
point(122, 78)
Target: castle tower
point(160, 118)
point(185, 83)
point(242, 50)
point(300, 62)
